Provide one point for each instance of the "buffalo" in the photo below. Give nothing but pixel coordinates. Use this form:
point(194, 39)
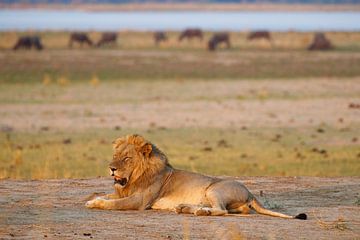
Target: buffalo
point(320, 42)
point(107, 38)
point(217, 39)
point(80, 38)
point(159, 37)
point(191, 33)
point(28, 42)
point(259, 35)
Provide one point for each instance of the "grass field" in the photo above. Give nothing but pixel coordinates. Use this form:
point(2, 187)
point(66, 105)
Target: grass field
point(251, 152)
point(136, 57)
point(253, 110)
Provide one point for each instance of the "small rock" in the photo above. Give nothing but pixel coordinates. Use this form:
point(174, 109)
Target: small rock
point(45, 128)
point(207, 149)
point(354, 105)
point(322, 151)
point(320, 130)
point(223, 143)
point(6, 129)
point(67, 141)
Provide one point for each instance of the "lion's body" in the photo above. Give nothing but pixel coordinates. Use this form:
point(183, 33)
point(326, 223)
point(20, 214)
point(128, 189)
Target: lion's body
point(184, 188)
point(145, 180)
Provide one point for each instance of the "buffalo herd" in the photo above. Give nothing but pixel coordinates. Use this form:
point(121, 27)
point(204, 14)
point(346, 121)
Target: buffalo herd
point(320, 42)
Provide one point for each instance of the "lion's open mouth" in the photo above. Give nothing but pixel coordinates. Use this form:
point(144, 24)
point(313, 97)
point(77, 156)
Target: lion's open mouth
point(121, 181)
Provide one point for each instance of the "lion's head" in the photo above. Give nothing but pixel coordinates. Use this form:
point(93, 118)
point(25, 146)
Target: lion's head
point(135, 162)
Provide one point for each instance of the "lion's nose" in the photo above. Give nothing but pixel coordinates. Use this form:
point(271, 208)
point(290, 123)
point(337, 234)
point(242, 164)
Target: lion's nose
point(112, 170)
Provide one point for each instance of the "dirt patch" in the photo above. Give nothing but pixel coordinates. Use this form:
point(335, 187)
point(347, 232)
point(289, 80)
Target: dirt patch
point(55, 209)
point(272, 103)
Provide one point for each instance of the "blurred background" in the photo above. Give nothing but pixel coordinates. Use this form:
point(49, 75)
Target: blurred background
point(242, 88)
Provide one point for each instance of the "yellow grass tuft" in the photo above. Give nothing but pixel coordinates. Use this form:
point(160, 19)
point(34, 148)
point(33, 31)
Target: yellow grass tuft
point(63, 81)
point(94, 81)
point(338, 224)
point(46, 80)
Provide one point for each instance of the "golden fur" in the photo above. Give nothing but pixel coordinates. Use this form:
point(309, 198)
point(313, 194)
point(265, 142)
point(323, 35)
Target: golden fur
point(144, 179)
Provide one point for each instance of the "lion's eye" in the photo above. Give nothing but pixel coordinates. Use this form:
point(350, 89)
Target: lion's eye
point(126, 159)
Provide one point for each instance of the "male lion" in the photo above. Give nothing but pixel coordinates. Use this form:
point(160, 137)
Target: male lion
point(143, 179)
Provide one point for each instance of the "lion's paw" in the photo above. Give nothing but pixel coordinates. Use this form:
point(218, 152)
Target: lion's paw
point(95, 203)
point(179, 208)
point(203, 212)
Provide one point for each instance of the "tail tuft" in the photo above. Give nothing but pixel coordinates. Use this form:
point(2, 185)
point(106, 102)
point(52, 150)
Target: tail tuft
point(301, 216)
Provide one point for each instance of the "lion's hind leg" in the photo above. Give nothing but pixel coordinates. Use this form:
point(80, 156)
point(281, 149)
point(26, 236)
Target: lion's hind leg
point(208, 211)
point(199, 210)
point(243, 209)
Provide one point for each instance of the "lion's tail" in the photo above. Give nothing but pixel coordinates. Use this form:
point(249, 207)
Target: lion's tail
point(258, 207)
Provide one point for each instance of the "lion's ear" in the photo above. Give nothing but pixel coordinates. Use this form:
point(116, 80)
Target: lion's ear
point(146, 149)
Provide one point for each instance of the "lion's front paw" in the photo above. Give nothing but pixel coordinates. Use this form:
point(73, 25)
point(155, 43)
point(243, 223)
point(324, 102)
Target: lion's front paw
point(96, 203)
point(179, 208)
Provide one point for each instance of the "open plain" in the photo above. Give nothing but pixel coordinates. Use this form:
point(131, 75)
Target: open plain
point(257, 109)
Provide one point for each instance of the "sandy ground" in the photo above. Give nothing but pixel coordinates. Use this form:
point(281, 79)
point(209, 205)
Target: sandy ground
point(54, 209)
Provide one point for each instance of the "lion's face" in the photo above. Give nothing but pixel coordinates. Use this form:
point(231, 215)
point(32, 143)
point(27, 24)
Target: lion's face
point(123, 164)
point(129, 160)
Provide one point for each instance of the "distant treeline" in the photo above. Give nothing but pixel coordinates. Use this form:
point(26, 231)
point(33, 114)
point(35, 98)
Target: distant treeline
point(182, 1)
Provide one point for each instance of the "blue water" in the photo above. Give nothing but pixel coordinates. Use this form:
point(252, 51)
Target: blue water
point(177, 20)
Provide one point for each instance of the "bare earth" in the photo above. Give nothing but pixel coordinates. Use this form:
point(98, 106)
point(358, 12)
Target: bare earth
point(54, 209)
point(220, 104)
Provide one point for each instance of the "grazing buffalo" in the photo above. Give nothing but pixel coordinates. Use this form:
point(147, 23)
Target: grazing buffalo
point(107, 38)
point(217, 39)
point(259, 35)
point(320, 42)
point(159, 37)
point(80, 38)
point(28, 42)
point(191, 33)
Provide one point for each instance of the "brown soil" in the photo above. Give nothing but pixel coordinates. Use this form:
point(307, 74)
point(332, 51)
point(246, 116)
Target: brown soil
point(54, 209)
point(299, 103)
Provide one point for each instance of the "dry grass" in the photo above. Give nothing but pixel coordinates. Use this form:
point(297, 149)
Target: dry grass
point(250, 153)
point(82, 65)
point(66, 106)
point(276, 127)
point(130, 40)
point(339, 224)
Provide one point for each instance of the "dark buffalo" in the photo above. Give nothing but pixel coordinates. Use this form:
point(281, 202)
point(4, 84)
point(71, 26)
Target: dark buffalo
point(107, 38)
point(259, 35)
point(217, 39)
point(159, 37)
point(28, 42)
point(320, 42)
point(191, 33)
point(80, 38)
